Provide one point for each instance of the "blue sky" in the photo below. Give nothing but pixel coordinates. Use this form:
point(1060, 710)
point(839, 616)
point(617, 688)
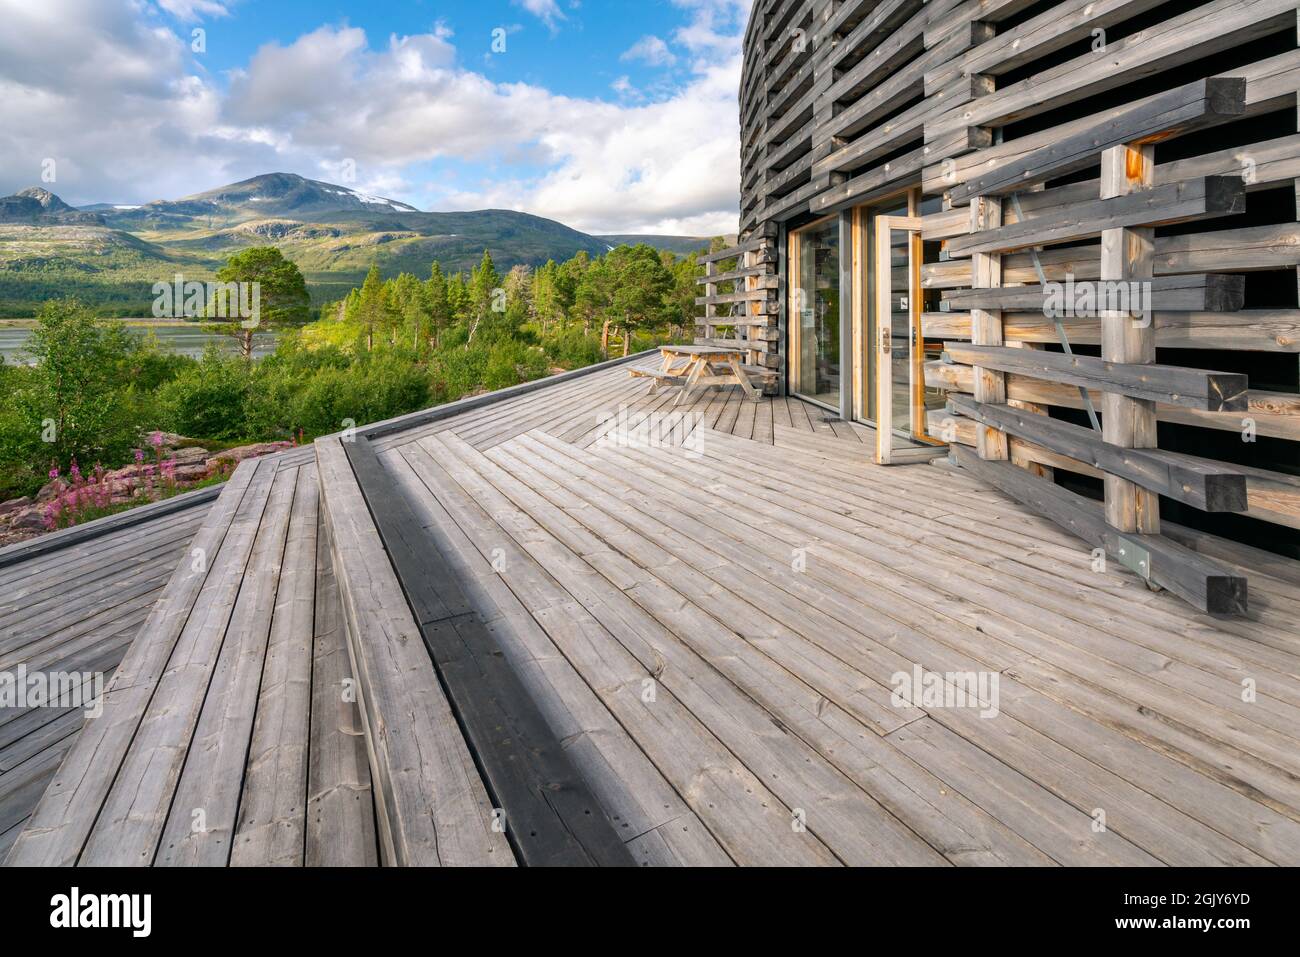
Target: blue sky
point(602, 115)
point(579, 55)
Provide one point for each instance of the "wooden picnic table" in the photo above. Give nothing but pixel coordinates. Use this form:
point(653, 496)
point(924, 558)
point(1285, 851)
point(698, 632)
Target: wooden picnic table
point(694, 367)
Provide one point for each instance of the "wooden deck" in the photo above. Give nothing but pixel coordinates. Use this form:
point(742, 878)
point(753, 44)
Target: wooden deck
point(1122, 736)
point(74, 607)
point(226, 736)
point(710, 607)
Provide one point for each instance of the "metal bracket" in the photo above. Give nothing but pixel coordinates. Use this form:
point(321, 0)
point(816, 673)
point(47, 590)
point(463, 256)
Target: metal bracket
point(1134, 557)
point(1060, 326)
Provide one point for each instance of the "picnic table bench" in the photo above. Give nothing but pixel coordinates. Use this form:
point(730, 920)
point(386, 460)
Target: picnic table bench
point(694, 367)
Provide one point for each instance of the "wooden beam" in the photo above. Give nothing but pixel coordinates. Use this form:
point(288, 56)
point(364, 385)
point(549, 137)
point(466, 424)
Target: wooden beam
point(1205, 292)
point(1209, 486)
point(1185, 201)
point(552, 819)
point(1206, 585)
point(986, 327)
point(1275, 415)
point(1253, 330)
point(1172, 385)
point(1027, 455)
point(432, 808)
point(1192, 106)
point(1127, 256)
point(733, 252)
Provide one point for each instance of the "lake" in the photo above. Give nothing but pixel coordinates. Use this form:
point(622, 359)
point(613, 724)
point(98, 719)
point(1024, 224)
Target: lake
point(188, 340)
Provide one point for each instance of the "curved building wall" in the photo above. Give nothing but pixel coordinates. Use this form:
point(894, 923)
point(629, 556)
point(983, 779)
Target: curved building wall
point(1012, 136)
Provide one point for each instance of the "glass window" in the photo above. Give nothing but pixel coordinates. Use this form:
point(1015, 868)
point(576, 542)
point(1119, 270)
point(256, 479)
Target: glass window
point(815, 312)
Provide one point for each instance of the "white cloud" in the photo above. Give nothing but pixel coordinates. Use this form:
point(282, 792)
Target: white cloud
point(651, 50)
point(548, 11)
point(716, 27)
point(191, 10)
point(114, 97)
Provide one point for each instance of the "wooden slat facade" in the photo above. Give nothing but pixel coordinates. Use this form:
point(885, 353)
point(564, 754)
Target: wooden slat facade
point(1045, 142)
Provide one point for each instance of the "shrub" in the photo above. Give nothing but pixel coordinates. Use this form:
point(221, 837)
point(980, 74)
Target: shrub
point(572, 349)
point(315, 392)
point(74, 402)
point(208, 399)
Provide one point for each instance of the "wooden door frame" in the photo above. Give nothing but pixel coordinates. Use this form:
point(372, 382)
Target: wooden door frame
point(883, 348)
point(794, 330)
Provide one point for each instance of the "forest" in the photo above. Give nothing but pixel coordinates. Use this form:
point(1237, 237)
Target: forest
point(90, 390)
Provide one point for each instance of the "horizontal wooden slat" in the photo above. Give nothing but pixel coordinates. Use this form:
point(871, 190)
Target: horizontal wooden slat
point(1256, 330)
point(1205, 198)
point(1173, 385)
point(1209, 486)
point(1205, 584)
point(1192, 106)
point(1186, 293)
point(1249, 249)
point(1271, 414)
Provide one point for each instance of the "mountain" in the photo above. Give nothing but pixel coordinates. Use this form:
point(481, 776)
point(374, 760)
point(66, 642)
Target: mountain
point(334, 234)
point(49, 202)
point(262, 197)
point(40, 207)
point(104, 207)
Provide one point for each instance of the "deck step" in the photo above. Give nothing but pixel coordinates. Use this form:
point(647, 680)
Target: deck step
point(550, 816)
point(432, 807)
point(201, 754)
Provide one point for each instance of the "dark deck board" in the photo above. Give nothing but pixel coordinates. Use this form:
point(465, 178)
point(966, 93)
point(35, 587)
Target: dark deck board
point(553, 818)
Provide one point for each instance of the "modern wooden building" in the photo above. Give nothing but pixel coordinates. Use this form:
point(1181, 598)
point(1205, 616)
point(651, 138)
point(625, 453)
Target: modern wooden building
point(1057, 233)
point(908, 608)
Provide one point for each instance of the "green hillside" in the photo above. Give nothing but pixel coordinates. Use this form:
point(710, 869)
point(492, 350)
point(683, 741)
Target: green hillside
point(334, 234)
point(677, 245)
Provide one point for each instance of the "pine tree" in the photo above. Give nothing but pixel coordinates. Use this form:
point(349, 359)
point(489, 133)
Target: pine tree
point(371, 307)
point(436, 295)
point(484, 287)
point(548, 305)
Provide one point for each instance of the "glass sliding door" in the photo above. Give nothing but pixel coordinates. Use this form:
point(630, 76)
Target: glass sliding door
point(815, 312)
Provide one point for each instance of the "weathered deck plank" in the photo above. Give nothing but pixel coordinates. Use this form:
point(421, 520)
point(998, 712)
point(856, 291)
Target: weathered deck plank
point(634, 794)
point(433, 807)
point(340, 825)
point(206, 736)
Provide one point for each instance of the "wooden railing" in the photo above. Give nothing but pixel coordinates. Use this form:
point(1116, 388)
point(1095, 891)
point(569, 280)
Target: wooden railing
point(741, 301)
